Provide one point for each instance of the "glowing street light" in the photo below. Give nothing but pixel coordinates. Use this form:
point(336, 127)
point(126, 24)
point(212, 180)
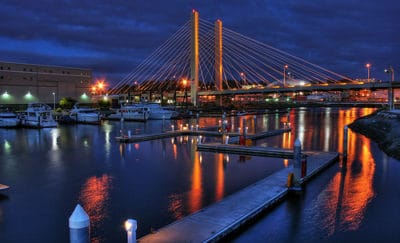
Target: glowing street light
point(54, 101)
point(390, 71)
point(184, 83)
point(368, 66)
point(243, 76)
point(284, 74)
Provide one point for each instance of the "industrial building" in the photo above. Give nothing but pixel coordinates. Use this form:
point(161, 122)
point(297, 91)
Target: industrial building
point(26, 83)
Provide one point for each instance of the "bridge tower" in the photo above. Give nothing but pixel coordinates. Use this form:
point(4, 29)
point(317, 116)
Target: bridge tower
point(194, 63)
point(218, 56)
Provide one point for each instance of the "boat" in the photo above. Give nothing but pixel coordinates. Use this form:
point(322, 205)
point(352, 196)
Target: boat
point(81, 114)
point(131, 113)
point(8, 119)
point(3, 187)
point(38, 115)
point(157, 112)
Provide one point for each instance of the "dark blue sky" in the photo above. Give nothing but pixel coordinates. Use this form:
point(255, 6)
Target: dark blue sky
point(113, 37)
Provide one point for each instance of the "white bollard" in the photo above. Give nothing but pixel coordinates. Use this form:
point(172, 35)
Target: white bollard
point(297, 162)
point(197, 127)
point(227, 139)
point(129, 133)
point(172, 127)
point(191, 127)
point(131, 227)
point(79, 224)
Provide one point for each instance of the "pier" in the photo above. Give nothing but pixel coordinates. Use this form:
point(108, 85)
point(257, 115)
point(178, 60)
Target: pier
point(222, 218)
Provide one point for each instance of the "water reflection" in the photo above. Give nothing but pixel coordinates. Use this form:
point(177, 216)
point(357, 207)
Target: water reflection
point(94, 198)
point(342, 205)
point(196, 189)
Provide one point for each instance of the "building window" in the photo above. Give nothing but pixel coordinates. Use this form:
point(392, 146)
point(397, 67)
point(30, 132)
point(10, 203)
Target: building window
point(24, 69)
point(1, 77)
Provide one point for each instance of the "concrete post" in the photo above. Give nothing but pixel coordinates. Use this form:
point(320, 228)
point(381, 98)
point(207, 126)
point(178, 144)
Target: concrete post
point(345, 137)
point(244, 128)
point(131, 227)
point(79, 226)
point(297, 162)
point(255, 123)
point(172, 127)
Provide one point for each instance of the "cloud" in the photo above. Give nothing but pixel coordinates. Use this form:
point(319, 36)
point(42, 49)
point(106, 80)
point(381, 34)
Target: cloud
point(113, 37)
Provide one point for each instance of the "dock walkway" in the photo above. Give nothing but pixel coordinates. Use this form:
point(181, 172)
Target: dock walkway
point(218, 220)
point(233, 135)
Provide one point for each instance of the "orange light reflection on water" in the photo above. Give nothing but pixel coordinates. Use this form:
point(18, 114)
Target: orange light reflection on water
point(220, 177)
point(346, 198)
point(94, 197)
point(196, 190)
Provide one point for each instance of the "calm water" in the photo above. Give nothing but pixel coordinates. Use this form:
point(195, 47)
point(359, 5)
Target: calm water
point(157, 182)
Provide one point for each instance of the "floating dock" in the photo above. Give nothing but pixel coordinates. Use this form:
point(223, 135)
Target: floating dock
point(246, 150)
point(233, 136)
point(219, 219)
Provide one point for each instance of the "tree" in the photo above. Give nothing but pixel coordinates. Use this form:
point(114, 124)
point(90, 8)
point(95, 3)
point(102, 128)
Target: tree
point(67, 103)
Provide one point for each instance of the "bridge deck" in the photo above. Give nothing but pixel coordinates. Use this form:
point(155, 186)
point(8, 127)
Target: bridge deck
point(219, 219)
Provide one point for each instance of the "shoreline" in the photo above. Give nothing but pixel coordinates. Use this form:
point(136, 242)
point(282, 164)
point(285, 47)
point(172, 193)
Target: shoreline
point(383, 127)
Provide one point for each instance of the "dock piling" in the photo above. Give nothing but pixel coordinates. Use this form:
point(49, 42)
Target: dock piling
point(131, 227)
point(345, 137)
point(297, 162)
point(79, 224)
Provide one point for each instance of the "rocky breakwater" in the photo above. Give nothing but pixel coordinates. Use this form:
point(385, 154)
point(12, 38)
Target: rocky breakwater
point(383, 127)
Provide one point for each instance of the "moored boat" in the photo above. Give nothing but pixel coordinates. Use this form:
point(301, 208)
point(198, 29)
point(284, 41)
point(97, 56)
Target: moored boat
point(82, 114)
point(8, 119)
point(157, 112)
point(131, 113)
point(38, 115)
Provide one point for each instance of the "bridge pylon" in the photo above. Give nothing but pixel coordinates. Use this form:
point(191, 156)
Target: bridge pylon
point(194, 63)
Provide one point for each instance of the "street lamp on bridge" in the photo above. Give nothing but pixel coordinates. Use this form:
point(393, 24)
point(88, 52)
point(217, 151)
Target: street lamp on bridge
point(243, 76)
point(184, 83)
point(368, 66)
point(390, 71)
point(284, 74)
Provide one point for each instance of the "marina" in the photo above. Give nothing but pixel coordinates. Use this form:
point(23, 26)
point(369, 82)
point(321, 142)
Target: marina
point(218, 220)
point(87, 160)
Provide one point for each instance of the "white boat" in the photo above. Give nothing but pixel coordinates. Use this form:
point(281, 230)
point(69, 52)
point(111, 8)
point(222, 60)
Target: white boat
point(131, 113)
point(38, 115)
point(8, 119)
point(157, 112)
point(3, 187)
point(82, 114)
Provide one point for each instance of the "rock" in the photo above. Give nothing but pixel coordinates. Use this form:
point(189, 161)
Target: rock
point(382, 127)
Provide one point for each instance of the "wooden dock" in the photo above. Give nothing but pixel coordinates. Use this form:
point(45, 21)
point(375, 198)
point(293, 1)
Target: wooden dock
point(222, 218)
point(246, 150)
point(233, 136)
point(170, 134)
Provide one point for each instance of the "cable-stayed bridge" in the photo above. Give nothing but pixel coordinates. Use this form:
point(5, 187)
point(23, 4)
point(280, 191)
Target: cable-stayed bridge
point(211, 60)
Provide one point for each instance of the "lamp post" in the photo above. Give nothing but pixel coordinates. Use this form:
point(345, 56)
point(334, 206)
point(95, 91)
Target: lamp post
point(368, 66)
point(54, 101)
point(184, 83)
point(284, 74)
point(243, 76)
point(390, 71)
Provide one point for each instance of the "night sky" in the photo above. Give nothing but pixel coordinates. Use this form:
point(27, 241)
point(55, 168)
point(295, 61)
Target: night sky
point(113, 37)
